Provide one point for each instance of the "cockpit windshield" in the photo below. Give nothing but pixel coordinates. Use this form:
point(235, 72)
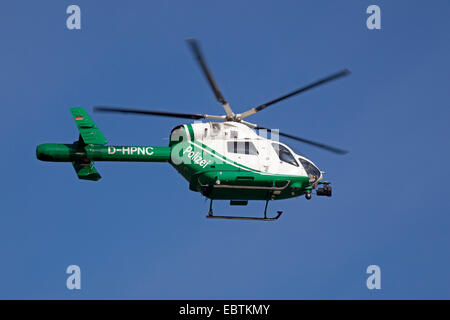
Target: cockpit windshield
point(284, 154)
point(311, 170)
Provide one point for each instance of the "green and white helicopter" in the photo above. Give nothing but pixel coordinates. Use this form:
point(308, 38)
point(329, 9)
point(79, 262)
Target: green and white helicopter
point(223, 159)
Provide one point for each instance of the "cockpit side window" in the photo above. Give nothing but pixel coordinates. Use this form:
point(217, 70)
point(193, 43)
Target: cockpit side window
point(284, 154)
point(311, 170)
point(242, 147)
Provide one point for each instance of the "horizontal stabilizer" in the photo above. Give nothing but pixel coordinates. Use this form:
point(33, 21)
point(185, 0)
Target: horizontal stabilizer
point(89, 131)
point(86, 171)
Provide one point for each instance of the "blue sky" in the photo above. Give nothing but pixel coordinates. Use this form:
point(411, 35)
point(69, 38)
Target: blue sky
point(140, 233)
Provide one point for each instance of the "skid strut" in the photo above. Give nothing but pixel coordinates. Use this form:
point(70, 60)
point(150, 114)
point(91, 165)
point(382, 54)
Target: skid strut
point(211, 216)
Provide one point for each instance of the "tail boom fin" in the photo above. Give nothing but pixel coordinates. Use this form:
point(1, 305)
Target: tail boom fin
point(89, 131)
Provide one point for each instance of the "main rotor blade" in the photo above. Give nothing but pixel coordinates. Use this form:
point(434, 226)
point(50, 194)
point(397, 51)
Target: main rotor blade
point(201, 60)
point(157, 113)
point(298, 91)
point(310, 142)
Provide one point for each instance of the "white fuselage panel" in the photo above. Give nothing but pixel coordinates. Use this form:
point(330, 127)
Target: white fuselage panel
point(221, 136)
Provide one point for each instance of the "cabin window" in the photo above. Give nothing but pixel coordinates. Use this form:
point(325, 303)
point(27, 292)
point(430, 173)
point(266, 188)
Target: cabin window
point(242, 147)
point(284, 154)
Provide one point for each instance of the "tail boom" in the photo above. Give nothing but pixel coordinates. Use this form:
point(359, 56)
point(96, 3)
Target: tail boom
point(91, 147)
point(73, 152)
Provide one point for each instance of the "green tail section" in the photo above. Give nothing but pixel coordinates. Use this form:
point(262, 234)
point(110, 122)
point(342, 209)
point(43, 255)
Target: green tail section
point(86, 171)
point(91, 147)
point(89, 131)
point(89, 134)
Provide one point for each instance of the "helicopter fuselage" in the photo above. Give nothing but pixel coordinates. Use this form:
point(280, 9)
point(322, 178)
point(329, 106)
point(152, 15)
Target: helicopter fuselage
point(229, 161)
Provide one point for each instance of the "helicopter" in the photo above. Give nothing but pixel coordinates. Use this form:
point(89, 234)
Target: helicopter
point(223, 158)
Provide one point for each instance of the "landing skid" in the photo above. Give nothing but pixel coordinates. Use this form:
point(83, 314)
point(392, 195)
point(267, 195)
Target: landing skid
point(211, 216)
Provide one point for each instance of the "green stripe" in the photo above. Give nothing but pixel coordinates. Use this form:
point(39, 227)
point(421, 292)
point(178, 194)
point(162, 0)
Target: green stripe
point(191, 131)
